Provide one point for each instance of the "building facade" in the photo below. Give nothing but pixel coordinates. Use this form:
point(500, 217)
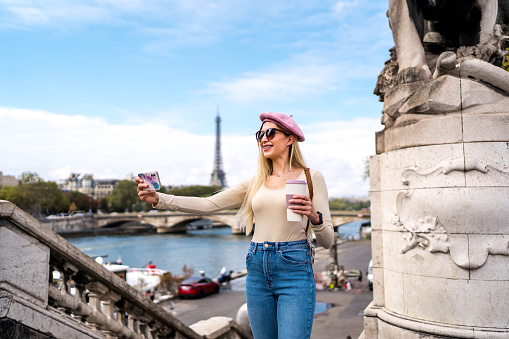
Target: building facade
point(7, 180)
point(86, 184)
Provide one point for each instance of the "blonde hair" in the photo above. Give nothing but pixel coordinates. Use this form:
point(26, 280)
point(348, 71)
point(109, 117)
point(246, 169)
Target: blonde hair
point(265, 169)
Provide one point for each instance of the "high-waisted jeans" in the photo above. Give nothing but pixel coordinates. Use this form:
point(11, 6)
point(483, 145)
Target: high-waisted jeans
point(280, 290)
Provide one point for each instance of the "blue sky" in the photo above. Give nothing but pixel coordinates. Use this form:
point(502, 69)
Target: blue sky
point(116, 87)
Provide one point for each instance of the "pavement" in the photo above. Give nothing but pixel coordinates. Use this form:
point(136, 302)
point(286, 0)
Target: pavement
point(341, 311)
point(346, 316)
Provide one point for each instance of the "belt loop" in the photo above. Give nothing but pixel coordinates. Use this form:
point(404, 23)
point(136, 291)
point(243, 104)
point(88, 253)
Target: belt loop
point(276, 246)
point(255, 245)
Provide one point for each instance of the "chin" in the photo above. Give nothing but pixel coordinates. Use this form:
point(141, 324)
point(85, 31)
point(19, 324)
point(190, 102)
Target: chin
point(267, 155)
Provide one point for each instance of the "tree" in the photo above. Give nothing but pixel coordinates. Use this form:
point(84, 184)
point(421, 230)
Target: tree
point(82, 201)
point(36, 196)
point(342, 204)
point(366, 169)
point(170, 282)
point(73, 207)
point(123, 197)
point(195, 191)
point(5, 192)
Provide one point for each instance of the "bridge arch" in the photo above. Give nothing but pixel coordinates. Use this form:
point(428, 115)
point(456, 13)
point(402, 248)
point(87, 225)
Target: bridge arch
point(170, 221)
point(178, 222)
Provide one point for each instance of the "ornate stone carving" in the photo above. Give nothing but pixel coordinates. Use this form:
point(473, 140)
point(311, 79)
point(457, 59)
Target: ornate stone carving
point(482, 84)
point(428, 33)
point(460, 164)
point(468, 251)
point(427, 233)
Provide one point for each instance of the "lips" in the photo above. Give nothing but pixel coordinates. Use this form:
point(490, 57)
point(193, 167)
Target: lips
point(267, 147)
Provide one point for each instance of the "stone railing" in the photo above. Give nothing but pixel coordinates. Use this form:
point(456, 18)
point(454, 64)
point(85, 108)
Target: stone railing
point(87, 301)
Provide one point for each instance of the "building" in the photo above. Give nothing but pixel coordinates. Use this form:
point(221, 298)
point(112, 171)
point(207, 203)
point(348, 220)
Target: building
point(86, 184)
point(7, 180)
point(104, 187)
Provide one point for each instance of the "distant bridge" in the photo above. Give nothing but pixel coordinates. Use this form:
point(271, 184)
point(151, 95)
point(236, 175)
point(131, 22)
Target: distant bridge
point(167, 222)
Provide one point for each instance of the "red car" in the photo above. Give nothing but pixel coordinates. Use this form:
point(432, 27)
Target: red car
point(197, 287)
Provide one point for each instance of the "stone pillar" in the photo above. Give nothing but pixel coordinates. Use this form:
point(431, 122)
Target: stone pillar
point(440, 213)
point(24, 266)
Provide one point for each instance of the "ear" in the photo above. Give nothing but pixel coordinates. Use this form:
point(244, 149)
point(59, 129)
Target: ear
point(291, 140)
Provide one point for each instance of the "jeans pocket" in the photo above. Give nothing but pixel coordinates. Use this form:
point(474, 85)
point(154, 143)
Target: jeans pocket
point(249, 255)
point(296, 256)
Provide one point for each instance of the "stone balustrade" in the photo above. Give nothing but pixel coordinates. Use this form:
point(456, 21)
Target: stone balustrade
point(86, 301)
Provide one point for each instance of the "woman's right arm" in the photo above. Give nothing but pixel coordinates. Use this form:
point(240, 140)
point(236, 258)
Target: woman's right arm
point(224, 200)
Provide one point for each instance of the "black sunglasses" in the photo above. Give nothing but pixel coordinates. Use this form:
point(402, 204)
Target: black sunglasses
point(269, 133)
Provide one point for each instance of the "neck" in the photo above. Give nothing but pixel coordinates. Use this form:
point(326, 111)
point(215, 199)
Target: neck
point(280, 167)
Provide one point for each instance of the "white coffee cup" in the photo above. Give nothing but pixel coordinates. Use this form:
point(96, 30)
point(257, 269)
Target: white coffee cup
point(294, 187)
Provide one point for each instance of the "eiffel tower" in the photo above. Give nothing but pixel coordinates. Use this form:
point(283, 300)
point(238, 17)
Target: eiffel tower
point(218, 177)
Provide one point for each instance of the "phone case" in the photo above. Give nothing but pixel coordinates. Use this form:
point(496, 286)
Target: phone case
point(152, 179)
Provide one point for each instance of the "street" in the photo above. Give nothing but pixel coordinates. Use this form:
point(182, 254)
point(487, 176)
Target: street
point(342, 313)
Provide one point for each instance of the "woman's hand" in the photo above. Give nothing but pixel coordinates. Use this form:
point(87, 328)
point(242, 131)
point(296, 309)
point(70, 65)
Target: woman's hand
point(301, 204)
point(148, 196)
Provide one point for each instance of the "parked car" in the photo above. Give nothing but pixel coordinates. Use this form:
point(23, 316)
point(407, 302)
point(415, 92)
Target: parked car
point(197, 287)
point(369, 275)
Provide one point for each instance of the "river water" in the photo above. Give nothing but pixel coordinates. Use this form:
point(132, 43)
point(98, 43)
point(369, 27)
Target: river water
point(208, 250)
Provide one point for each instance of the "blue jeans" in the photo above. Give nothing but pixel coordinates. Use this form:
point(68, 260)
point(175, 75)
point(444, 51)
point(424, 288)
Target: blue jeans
point(280, 289)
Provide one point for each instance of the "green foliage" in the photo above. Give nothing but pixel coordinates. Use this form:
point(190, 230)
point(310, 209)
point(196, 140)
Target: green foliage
point(5, 192)
point(366, 169)
point(123, 197)
point(82, 202)
point(195, 191)
point(36, 196)
point(342, 204)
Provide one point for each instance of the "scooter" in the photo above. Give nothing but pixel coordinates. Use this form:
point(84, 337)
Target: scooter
point(224, 277)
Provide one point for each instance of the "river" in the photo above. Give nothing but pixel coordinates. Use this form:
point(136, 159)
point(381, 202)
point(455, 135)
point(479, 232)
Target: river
point(208, 250)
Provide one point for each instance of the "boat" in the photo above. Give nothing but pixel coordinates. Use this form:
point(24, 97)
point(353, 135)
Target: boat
point(144, 279)
point(365, 230)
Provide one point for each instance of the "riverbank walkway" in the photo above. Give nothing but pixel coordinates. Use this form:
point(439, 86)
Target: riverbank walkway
point(343, 317)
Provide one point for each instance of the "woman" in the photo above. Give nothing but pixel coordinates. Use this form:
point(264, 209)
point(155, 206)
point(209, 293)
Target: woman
point(280, 286)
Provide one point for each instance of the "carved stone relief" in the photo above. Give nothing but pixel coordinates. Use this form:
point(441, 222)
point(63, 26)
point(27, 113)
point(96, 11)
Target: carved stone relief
point(460, 164)
point(468, 251)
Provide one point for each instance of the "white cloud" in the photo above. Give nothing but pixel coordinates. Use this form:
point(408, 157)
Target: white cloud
point(343, 6)
point(55, 145)
point(61, 14)
point(339, 149)
point(297, 78)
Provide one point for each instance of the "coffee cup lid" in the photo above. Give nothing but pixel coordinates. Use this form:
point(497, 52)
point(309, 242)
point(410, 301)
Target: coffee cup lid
point(295, 182)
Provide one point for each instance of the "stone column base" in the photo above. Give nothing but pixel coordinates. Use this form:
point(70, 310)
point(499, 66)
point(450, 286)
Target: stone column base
point(382, 323)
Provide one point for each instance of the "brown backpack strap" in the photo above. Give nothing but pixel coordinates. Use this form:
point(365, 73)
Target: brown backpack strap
point(310, 183)
point(310, 187)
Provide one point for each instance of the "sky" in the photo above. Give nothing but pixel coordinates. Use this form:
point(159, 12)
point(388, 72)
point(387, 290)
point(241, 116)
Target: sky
point(119, 87)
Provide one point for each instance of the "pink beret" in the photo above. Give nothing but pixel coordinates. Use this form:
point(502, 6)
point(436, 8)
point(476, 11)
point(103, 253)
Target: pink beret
point(285, 121)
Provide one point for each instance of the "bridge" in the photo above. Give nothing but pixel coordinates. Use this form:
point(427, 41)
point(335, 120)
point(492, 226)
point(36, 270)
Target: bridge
point(166, 222)
point(87, 301)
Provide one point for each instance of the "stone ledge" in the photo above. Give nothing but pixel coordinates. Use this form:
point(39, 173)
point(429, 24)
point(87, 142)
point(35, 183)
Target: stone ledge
point(439, 330)
point(219, 327)
point(48, 322)
point(14, 330)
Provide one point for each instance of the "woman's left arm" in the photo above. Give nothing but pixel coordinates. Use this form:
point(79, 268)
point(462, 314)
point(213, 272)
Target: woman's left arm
point(324, 231)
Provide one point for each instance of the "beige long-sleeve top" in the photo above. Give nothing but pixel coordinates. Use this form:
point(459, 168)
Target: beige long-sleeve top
point(269, 208)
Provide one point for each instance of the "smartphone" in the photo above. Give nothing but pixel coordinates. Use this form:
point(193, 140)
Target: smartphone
point(152, 179)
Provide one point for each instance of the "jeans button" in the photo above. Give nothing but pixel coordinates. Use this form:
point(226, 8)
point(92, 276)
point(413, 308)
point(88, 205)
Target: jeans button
point(266, 245)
